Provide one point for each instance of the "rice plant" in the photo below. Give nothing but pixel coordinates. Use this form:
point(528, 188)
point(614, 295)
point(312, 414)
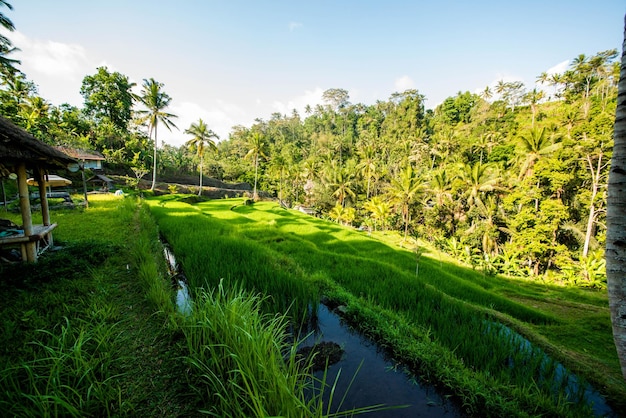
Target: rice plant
point(244, 362)
point(70, 375)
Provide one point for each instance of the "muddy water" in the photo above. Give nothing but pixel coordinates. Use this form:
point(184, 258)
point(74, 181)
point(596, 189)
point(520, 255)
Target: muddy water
point(378, 381)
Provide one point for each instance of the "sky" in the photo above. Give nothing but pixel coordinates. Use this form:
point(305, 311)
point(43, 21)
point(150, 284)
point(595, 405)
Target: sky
point(230, 62)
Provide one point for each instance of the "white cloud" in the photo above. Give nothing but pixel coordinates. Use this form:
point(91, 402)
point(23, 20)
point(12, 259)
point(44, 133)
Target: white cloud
point(404, 83)
point(50, 58)
point(309, 97)
point(220, 117)
point(57, 68)
point(294, 25)
point(559, 68)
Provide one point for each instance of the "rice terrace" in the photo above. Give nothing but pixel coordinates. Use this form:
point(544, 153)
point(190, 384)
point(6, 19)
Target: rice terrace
point(249, 209)
point(254, 272)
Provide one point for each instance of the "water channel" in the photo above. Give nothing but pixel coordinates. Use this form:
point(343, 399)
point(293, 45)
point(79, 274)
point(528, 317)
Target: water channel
point(377, 379)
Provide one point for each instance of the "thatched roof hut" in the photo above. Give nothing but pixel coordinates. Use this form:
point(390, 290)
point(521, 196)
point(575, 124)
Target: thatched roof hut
point(20, 153)
point(18, 146)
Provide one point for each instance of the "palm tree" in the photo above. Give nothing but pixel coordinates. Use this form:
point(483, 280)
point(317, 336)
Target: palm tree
point(343, 182)
point(486, 94)
point(201, 139)
point(18, 87)
point(533, 98)
point(280, 164)
point(440, 187)
point(156, 101)
point(380, 210)
point(255, 150)
point(367, 164)
point(478, 180)
point(6, 47)
point(403, 191)
point(535, 144)
point(616, 222)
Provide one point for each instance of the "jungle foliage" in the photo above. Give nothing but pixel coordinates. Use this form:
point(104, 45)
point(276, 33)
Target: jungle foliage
point(510, 181)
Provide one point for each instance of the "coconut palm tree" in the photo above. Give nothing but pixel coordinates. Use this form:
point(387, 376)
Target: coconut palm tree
point(202, 139)
point(156, 101)
point(440, 187)
point(535, 143)
point(6, 47)
point(256, 144)
point(343, 182)
point(367, 164)
point(403, 191)
point(477, 179)
point(616, 221)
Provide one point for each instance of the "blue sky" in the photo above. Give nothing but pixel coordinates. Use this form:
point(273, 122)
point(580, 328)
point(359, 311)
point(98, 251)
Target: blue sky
point(229, 62)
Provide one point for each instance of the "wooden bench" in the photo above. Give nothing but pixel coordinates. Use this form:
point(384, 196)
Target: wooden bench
point(41, 238)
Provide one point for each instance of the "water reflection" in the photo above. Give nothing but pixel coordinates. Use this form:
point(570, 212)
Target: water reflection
point(183, 299)
point(379, 381)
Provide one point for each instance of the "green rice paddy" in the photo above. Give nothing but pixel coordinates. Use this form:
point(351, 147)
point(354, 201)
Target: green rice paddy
point(440, 320)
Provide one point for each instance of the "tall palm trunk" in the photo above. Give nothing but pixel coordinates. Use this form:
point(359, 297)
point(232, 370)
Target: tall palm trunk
point(616, 221)
point(154, 163)
point(255, 195)
point(200, 190)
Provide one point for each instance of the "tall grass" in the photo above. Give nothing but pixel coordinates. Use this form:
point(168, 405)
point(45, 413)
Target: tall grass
point(239, 352)
point(70, 375)
point(246, 364)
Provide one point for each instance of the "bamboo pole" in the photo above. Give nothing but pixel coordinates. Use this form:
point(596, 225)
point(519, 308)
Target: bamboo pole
point(82, 170)
point(43, 196)
point(27, 220)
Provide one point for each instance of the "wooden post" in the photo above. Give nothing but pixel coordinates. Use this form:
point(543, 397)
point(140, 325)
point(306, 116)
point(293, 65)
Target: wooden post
point(82, 169)
point(43, 196)
point(27, 220)
point(4, 195)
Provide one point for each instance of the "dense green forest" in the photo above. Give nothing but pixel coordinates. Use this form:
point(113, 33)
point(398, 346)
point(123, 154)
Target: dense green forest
point(511, 180)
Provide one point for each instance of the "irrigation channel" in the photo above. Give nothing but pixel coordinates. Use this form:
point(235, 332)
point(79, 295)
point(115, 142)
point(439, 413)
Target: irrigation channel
point(368, 376)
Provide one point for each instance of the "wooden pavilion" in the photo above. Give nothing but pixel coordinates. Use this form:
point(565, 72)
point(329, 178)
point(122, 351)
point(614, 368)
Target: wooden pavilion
point(21, 153)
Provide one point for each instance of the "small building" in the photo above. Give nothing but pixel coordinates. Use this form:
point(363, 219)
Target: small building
point(21, 154)
point(103, 182)
point(88, 159)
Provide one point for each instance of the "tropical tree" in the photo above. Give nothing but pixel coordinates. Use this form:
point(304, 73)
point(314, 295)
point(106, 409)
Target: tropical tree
point(380, 210)
point(256, 144)
point(342, 183)
point(34, 113)
point(403, 191)
point(108, 96)
point(535, 143)
point(156, 101)
point(616, 221)
point(440, 187)
point(367, 165)
point(202, 139)
point(533, 98)
point(477, 180)
point(6, 47)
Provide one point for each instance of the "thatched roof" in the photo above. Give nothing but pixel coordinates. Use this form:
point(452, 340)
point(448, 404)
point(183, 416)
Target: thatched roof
point(17, 146)
point(100, 178)
point(80, 154)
